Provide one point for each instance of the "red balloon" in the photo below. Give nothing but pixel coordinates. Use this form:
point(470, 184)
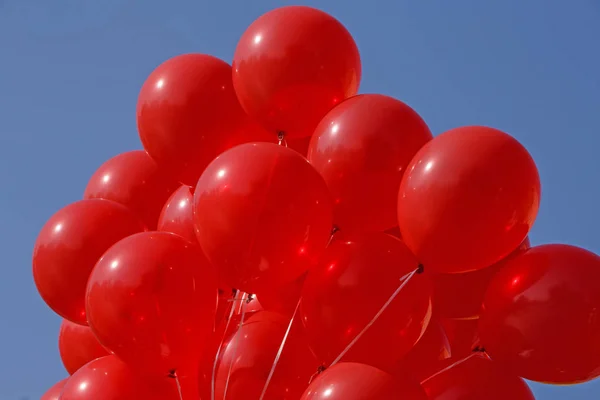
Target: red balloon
point(468, 198)
point(459, 296)
point(352, 381)
point(69, 245)
point(252, 350)
point(262, 216)
point(108, 378)
point(188, 113)
point(152, 300)
point(134, 180)
point(477, 378)
point(78, 346)
point(292, 65)
point(428, 356)
point(346, 290)
point(283, 299)
point(540, 315)
point(54, 392)
point(177, 214)
point(462, 335)
point(299, 144)
point(362, 148)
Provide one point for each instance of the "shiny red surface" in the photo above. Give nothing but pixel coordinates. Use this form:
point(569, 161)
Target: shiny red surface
point(252, 351)
point(428, 356)
point(467, 199)
point(352, 381)
point(188, 113)
point(292, 65)
point(177, 215)
point(262, 216)
point(541, 315)
point(462, 335)
point(362, 148)
point(285, 298)
point(477, 378)
point(68, 247)
point(78, 346)
point(134, 180)
point(346, 290)
point(54, 392)
point(459, 296)
point(152, 299)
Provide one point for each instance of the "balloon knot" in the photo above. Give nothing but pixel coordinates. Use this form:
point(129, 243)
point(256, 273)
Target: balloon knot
point(320, 370)
point(280, 136)
point(420, 268)
point(335, 229)
point(250, 298)
point(172, 374)
point(478, 349)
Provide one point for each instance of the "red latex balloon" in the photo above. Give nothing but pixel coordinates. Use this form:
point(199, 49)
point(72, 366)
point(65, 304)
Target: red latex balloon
point(459, 296)
point(54, 392)
point(292, 65)
point(134, 180)
point(462, 335)
point(362, 148)
point(283, 299)
point(188, 113)
point(299, 144)
point(152, 300)
point(351, 381)
point(108, 378)
point(468, 198)
point(428, 356)
point(346, 290)
point(69, 245)
point(253, 349)
point(477, 378)
point(177, 214)
point(262, 215)
point(540, 315)
point(78, 346)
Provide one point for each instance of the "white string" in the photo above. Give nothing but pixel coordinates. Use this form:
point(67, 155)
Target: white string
point(278, 355)
point(178, 385)
point(404, 280)
point(236, 339)
point(214, 368)
point(451, 366)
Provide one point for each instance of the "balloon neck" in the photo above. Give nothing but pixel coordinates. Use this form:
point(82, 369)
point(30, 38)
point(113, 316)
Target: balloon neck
point(420, 268)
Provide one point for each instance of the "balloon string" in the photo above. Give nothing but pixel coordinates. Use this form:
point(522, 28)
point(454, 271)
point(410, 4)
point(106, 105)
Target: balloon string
point(451, 366)
point(236, 339)
point(214, 368)
point(281, 346)
point(404, 280)
point(178, 386)
point(281, 139)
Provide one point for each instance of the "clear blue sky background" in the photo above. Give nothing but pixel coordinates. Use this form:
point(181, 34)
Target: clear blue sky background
point(70, 72)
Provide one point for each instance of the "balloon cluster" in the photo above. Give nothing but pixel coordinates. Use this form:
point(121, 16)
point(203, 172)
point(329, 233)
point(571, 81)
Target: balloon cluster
point(282, 237)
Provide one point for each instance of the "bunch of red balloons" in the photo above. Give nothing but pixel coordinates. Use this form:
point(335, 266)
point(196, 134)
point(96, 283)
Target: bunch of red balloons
point(283, 237)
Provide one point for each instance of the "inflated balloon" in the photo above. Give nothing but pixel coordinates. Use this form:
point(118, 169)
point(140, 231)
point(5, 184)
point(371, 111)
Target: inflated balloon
point(428, 356)
point(54, 392)
point(78, 346)
point(352, 381)
point(540, 315)
point(134, 180)
point(468, 199)
point(477, 378)
point(188, 113)
point(283, 299)
point(248, 356)
point(299, 144)
point(108, 378)
point(346, 290)
point(292, 65)
point(152, 300)
point(459, 296)
point(177, 215)
point(262, 215)
point(462, 335)
point(362, 148)
point(69, 245)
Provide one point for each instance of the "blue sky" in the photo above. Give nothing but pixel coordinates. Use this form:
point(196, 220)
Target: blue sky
point(70, 72)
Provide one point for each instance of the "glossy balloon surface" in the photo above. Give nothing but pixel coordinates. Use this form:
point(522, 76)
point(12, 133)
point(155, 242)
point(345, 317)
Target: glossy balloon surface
point(54, 392)
point(177, 215)
point(460, 296)
point(152, 300)
point(352, 381)
point(262, 216)
point(188, 113)
point(78, 346)
point(351, 283)
point(68, 247)
point(541, 318)
point(469, 198)
point(134, 180)
point(292, 65)
point(477, 378)
point(362, 148)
